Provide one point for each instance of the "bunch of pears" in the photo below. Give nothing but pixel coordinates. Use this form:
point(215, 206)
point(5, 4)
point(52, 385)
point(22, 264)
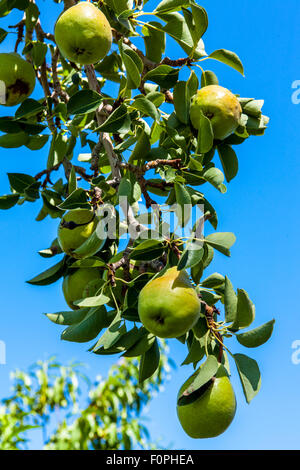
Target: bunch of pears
point(168, 304)
point(168, 307)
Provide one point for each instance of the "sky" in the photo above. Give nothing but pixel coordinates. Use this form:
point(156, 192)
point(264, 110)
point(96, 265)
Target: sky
point(260, 207)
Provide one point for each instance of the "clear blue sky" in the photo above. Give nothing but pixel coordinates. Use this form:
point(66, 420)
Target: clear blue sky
point(260, 207)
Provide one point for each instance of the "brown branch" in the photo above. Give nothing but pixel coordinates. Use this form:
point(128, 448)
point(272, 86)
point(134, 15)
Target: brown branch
point(58, 90)
point(20, 27)
point(209, 312)
point(104, 136)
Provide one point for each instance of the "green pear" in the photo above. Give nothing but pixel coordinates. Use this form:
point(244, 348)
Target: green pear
point(18, 77)
point(212, 412)
point(168, 305)
point(83, 34)
point(82, 283)
point(220, 106)
point(75, 228)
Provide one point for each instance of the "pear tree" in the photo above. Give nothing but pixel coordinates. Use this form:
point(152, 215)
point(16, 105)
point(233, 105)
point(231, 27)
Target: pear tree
point(131, 137)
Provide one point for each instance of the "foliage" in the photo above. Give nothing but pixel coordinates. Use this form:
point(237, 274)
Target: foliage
point(48, 397)
point(142, 146)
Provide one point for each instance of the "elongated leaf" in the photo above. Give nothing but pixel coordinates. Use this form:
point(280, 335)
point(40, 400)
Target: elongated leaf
point(149, 362)
point(249, 374)
point(256, 337)
point(8, 201)
point(230, 301)
point(213, 281)
point(9, 141)
point(229, 161)
point(228, 58)
point(182, 99)
point(95, 301)
point(84, 101)
point(49, 276)
point(76, 200)
point(221, 241)
point(88, 328)
point(112, 334)
point(167, 6)
point(145, 106)
point(184, 204)
point(164, 75)
point(155, 41)
point(144, 341)
point(28, 108)
point(215, 177)
point(196, 353)
point(245, 314)
point(118, 122)
point(209, 78)
point(200, 378)
point(191, 256)
point(68, 318)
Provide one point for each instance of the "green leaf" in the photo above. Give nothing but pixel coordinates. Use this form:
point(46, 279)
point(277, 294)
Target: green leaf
point(229, 161)
point(88, 263)
point(230, 301)
point(221, 241)
point(155, 41)
point(209, 78)
point(256, 337)
point(193, 83)
point(72, 184)
point(210, 297)
point(68, 318)
point(249, 375)
point(205, 134)
point(213, 281)
point(3, 34)
point(125, 188)
point(184, 204)
point(191, 256)
point(149, 362)
point(118, 122)
point(49, 276)
point(147, 250)
point(164, 75)
point(144, 341)
point(38, 52)
point(196, 353)
point(201, 377)
point(182, 99)
point(215, 177)
point(96, 301)
point(181, 28)
point(76, 200)
point(88, 328)
point(167, 6)
point(20, 181)
point(133, 65)
point(245, 314)
point(200, 21)
point(28, 108)
point(228, 58)
point(146, 107)
point(36, 142)
point(84, 101)
point(112, 334)
point(10, 141)
point(8, 201)
point(141, 149)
